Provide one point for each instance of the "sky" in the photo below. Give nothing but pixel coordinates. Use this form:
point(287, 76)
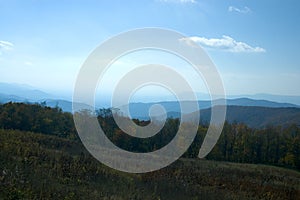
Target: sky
point(254, 44)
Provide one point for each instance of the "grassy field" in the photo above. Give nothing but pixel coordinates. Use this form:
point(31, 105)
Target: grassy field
point(37, 166)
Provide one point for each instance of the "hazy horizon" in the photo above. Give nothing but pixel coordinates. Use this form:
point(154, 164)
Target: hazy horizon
point(104, 100)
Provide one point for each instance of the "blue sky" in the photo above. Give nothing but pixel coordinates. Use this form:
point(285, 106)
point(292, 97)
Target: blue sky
point(254, 44)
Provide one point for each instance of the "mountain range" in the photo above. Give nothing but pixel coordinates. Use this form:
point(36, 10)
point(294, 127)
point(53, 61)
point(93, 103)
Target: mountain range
point(139, 110)
point(21, 93)
point(255, 113)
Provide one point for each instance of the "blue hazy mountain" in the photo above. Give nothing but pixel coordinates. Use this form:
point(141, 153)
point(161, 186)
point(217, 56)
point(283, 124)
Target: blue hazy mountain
point(258, 117)
point(11, 92)
point(252, 116)
point(239, 109)
point(204, 96)
point(141, 110)
point(21, 92)
point(270, 97)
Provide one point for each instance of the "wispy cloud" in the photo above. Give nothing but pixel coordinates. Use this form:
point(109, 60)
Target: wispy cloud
point(179, 1)
point(244, 10)
point(5, 46)
point(225, 43)
point(28, 63)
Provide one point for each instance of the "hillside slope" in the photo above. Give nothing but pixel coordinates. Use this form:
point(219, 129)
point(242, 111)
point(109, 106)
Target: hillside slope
point(35, 166)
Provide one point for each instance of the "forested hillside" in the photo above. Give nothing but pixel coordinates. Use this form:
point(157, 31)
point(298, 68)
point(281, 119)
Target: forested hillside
point(38, 166)
point(273, 145)
point(42, 158)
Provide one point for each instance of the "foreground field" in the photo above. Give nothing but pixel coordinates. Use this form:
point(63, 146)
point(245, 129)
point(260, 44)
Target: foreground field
point(38, 166)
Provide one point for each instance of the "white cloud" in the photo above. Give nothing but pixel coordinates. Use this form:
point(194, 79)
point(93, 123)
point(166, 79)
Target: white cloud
point(5, 46)
point(28, 63)
point(244, 10)
point(187, 1)
point(179, 1)
point(225, 43)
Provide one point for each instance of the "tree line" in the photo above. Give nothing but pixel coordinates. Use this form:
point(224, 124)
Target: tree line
point(273, 145)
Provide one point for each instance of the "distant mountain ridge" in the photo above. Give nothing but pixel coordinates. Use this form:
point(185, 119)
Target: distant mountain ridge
point(251, 114)
point(141, 110)
point(18, 92)
point(258, 117)
point(270, 97)
point(24, 93)
point(254, 113)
